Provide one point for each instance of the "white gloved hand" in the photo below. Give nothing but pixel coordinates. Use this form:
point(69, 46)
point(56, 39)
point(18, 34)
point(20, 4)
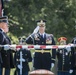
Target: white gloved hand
point(52, 65)
point(6, 47)
point(68, 49)
point(36, 30)
point(71, 71)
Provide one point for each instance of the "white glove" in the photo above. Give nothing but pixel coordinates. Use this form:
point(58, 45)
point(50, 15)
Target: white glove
point(52, 65)
point(6, 47)
point(23, 60)
point(68, 49)
point(70, 71)
point(36, 30)
point(13, 47)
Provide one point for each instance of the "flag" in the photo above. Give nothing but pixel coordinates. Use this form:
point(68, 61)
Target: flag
point(1, 7)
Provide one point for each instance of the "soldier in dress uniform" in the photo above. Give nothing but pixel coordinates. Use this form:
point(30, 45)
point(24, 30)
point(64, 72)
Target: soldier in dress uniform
point(6, 58)
point(73, 57)
point(22, 58)
point(42, 57)
point(63, 56)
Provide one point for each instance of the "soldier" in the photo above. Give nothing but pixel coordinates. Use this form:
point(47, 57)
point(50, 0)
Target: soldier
point(42, 58)
point(73, 57)
point(22, 40)
point(22, 58)
point(0, 63)
point(63, 56)
point(6, 58)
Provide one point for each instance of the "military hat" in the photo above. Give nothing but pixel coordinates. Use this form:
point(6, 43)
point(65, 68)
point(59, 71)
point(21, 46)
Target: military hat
point(4, 19)
point(41, 22)
point(62, 39)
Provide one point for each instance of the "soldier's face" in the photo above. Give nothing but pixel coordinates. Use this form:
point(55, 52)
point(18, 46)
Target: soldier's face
point(5, 27)
point(62, 42)
point(42, 29)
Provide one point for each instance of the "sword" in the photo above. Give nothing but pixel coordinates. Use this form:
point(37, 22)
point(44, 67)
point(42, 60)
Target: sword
point(21, 60)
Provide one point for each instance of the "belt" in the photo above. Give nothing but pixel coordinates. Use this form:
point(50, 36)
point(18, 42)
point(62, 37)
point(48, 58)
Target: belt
point(43, 51)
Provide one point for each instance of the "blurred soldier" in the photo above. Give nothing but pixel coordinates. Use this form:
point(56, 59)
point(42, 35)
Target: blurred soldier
point(63, 56)
point(42, 58)
point(25, 57)
point(6, 58)
point(22, 58)
point(21, 40)
point(73, 57)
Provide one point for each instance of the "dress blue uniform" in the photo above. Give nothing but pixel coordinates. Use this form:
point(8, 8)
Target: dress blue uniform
point(26, 57)
point(42, 58)
point(73, 57)
point(63, 56)
point(6, 58)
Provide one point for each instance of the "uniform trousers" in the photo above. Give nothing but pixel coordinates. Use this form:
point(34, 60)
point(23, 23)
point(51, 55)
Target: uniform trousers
point(6, 72)
point(23, 73)
point(63, 73)
point(0, 71)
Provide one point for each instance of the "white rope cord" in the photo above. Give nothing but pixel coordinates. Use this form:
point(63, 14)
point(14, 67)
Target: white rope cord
point(38, 46)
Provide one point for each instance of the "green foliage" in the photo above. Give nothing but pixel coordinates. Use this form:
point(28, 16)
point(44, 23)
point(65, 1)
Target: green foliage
point(60, 16)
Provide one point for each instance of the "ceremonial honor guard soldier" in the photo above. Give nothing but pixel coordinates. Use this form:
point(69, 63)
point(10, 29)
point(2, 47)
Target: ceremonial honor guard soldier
point(6, 58)
point(42, 57)
point(22, 58)
point(63, 56)
point(73, 57)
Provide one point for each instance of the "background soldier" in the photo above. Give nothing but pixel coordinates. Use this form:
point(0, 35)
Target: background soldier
point(26, 57)
point(42, 58)
point(7, 58)
point(22, 58)
point(73, 57)
point(63, 56)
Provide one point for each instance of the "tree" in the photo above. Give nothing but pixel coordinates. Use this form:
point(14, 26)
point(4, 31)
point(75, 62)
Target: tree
point(59, 14)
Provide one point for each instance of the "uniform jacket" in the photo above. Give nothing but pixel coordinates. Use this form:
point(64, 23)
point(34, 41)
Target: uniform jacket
point(64, 62)
point(73, 56)
point(26, 55)
point(42, 61)
point(5, 56)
